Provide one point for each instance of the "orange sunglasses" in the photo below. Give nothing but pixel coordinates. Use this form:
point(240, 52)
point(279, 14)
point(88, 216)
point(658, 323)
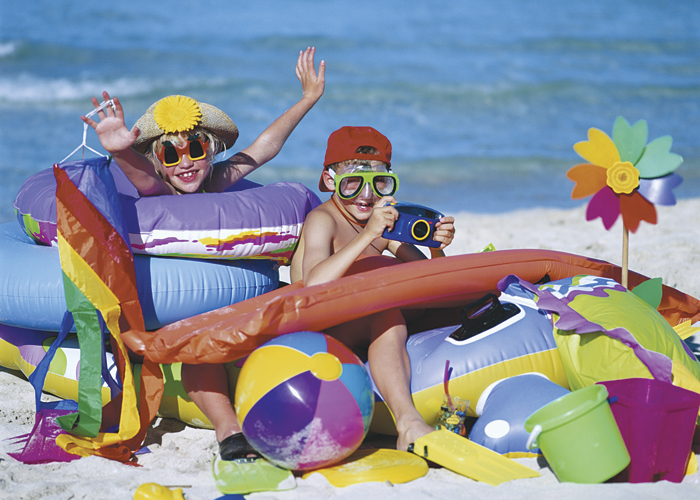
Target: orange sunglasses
point(171, 155)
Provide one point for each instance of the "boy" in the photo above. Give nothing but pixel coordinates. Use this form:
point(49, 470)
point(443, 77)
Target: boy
point(348, 227)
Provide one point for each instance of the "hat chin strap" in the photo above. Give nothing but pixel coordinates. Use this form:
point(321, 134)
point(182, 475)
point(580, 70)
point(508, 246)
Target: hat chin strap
point(223, 153)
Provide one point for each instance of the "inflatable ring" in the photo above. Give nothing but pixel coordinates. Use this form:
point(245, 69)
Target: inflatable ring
point(517, 341)
point(505, 345)
point(248, 221)
point(22, 349)
point(32, 294)
point(441, 286)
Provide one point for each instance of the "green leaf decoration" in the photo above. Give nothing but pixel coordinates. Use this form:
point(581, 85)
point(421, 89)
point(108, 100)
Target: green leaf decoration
point(630, 140)
point(650, 291)
point(657, 160)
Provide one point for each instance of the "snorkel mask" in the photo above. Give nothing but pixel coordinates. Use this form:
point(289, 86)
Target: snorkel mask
point(355, 178)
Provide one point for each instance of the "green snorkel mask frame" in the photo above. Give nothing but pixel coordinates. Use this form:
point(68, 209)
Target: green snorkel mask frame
point(350, 185)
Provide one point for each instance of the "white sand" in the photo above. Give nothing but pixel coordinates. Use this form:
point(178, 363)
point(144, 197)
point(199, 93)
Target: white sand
point(181, 455)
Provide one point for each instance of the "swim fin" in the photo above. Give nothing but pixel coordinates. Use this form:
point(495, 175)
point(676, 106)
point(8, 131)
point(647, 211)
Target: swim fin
point(469, 459)
point(249, 475)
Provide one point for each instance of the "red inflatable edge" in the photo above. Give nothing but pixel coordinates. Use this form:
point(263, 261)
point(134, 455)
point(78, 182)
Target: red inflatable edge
point(379, 283)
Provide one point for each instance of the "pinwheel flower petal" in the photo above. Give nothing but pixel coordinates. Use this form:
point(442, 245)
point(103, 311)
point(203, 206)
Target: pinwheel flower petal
point(606, 205)
point(635, 209)
point(630, 140)
point(589, 179)
point(599, 149)
point(659, 191)
point(657, 160)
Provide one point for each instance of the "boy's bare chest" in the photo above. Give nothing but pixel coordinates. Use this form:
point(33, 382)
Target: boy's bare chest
point(346, 232)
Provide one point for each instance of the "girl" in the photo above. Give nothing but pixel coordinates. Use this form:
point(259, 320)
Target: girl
point(171, 148)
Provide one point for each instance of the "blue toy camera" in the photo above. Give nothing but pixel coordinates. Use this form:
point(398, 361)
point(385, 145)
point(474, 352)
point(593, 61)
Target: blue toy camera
point(416, 225)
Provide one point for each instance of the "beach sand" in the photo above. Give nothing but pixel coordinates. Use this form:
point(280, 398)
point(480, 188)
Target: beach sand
point(181, 455)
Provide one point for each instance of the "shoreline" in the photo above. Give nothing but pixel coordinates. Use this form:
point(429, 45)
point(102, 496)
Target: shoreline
point(676, 234)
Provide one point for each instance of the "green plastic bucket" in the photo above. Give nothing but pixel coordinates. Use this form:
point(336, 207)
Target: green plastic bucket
point(578, 436)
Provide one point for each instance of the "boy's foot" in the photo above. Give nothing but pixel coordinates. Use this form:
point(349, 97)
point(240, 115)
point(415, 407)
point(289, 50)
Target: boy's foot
point(409, 433)
point(236, 446)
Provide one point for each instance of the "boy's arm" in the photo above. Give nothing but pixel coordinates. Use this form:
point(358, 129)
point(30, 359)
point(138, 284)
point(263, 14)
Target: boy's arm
point(270, 142)
point(320, 263)
point(117, 140)
point(405, 252)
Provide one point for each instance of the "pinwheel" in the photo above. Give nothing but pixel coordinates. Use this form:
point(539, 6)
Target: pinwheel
point(626, 176)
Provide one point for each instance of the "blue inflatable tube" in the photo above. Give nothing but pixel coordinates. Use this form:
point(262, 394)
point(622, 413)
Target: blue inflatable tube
point(503, 408)
point(514, 339)
point(170, 289)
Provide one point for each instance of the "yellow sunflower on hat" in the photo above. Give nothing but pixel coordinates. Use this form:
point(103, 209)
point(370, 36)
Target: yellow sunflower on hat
point(177, 113)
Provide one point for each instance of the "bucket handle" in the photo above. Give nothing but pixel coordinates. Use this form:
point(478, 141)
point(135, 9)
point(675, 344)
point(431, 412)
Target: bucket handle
point(532, 438)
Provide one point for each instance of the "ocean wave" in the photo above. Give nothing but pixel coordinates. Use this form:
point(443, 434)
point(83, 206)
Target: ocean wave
point(569, 46)
point(7, 48)
point(32, 89)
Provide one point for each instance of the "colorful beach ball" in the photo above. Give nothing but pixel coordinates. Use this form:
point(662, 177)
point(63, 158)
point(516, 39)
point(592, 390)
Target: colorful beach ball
point(304, 400)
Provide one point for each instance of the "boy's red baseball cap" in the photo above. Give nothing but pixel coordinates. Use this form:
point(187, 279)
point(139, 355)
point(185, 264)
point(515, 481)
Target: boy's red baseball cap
point(343, 143)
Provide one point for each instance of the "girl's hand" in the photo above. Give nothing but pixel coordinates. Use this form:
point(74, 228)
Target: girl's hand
point(312, 83)
point(111, 129)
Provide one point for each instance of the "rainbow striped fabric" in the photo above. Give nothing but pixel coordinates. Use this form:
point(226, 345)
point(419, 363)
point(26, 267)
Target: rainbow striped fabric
point(100, 285)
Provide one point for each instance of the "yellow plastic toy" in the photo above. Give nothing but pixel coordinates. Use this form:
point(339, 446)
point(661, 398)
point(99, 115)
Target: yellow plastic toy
point(381, 465)
point(154, 491)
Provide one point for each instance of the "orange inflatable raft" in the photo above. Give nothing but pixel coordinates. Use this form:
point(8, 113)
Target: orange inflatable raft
point(441, 286)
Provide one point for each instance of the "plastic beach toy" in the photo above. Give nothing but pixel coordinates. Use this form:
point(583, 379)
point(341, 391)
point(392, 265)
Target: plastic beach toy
point(154, 491)
point(469, 459)
point(579, 437)
point(368, 465)
point(304, 401)
point(657, 421)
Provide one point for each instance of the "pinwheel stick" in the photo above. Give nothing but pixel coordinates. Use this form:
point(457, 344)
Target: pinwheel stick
point(625, 254)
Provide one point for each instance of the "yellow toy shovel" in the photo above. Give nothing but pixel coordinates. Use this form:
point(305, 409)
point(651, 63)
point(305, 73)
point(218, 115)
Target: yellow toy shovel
point(469, 459)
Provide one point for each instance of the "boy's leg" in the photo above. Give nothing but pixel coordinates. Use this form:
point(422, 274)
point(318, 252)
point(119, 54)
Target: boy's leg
point(391, 371)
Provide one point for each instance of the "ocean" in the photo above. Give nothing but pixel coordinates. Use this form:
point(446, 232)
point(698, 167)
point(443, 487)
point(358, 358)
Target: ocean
point(483, 101)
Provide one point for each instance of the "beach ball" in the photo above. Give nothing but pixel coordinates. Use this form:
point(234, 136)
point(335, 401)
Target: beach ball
point(304, 400)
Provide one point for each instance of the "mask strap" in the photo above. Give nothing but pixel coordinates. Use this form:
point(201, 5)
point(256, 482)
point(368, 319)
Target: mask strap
point(83, 144)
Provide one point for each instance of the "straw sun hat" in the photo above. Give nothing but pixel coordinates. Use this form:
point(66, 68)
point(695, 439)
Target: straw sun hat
point(177, 113)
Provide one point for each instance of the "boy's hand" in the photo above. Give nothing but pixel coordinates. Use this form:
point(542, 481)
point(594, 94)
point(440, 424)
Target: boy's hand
point(111, 129)
point(384, 216)
point(444, 231)
point(312, 84)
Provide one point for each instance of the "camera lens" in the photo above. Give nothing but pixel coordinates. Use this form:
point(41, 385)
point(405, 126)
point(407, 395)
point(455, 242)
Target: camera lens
point(420, 230)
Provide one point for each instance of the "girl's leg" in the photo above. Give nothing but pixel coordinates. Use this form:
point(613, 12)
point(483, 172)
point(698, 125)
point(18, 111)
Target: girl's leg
point(207, 387)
